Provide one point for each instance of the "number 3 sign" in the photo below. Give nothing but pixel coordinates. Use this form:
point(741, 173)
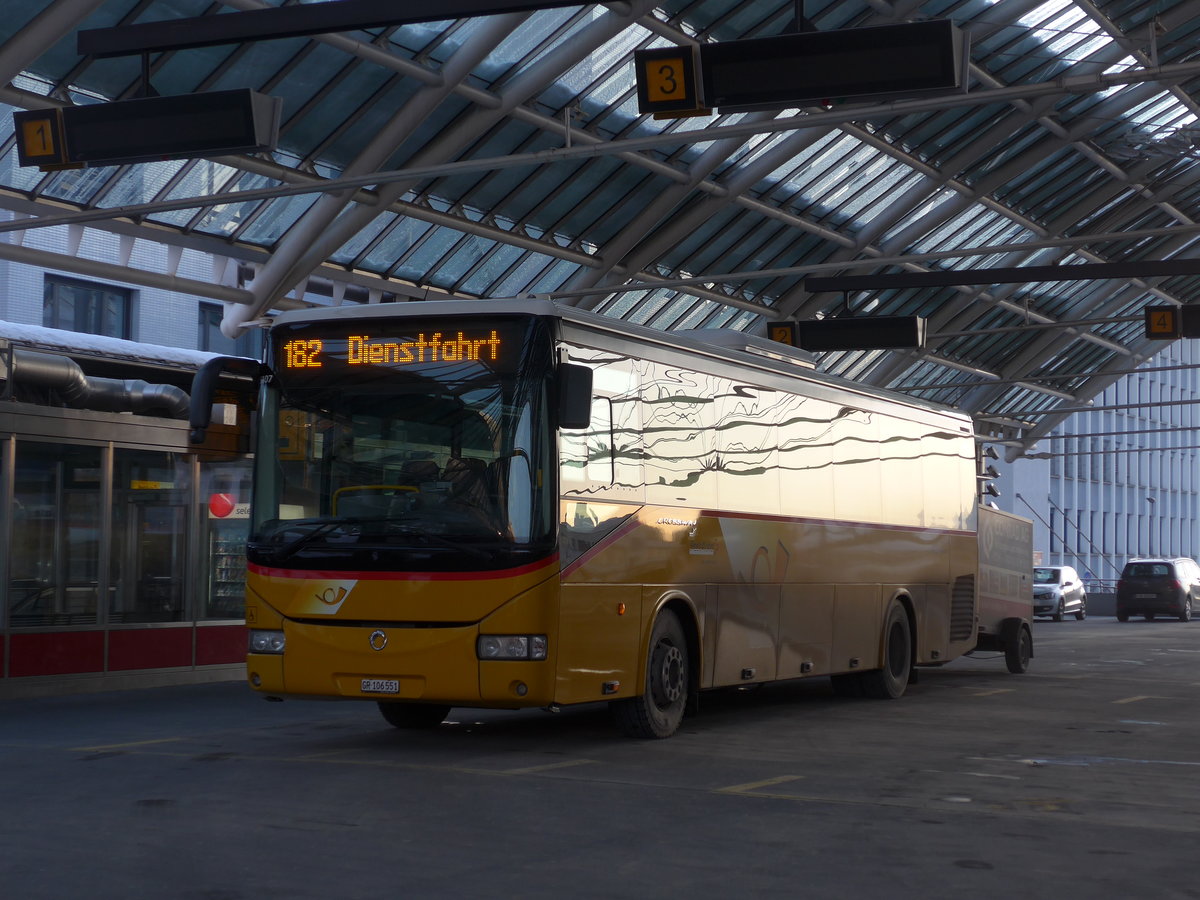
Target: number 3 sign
point(666, 80)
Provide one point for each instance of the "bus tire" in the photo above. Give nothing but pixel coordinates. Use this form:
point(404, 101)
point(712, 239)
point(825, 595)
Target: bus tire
point(890, 682)
point(413, 715)
point(1018, 650)
point(658, 711)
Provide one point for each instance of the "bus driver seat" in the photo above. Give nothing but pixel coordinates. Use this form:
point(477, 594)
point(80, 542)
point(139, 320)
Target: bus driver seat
point(468, 482)
point(415, 472)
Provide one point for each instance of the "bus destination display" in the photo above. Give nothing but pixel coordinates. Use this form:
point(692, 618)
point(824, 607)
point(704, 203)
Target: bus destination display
point(363, 350)
point(378, 347)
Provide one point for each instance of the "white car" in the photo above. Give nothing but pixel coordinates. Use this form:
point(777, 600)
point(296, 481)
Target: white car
point(1057, 591)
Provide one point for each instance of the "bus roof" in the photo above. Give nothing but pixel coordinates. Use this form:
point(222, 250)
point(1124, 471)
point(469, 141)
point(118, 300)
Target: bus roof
point(722, 344)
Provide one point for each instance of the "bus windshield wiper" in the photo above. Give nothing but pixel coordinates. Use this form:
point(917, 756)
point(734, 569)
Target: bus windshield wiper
point(319, 528)
point(412, 531)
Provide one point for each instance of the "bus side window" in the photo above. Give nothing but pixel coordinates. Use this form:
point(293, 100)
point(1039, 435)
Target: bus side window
point(586, 455)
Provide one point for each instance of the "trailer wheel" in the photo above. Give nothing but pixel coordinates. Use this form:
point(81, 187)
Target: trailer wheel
point(659, 710)
point(1019, 650)
point(890, 682)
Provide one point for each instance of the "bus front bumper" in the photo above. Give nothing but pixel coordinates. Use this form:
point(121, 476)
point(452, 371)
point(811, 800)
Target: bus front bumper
point(430, 665)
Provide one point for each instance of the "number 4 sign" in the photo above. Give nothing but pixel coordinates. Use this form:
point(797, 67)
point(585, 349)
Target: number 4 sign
point(1163, 322)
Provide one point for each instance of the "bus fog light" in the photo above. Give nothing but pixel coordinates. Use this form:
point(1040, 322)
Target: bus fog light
point(511, 646)
point(266, 641)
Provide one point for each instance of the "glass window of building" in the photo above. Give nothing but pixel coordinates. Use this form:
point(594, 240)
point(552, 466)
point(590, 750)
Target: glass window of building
point(74, 305)
point(54, 553)
point(225, 507)
point(151, 500)
point(248, 343)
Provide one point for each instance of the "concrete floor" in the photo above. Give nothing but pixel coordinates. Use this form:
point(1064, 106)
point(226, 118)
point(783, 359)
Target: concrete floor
point(1078, 779)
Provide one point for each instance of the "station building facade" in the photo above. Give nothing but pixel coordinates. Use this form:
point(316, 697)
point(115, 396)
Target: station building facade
point(120, 543)
point(1120, 480)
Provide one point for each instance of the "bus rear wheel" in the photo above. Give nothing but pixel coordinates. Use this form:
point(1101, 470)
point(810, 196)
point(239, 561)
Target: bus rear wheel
point(413, 715)
point(659, 710)
point(890, 682)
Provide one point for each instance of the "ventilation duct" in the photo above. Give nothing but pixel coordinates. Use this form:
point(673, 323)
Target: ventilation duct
point(64, 376)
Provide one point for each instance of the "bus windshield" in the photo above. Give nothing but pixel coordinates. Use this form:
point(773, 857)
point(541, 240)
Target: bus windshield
point(380, 458)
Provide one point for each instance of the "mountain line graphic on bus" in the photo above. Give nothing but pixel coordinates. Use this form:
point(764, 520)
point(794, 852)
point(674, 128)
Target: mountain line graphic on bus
point(677, 429)
point(603, 512)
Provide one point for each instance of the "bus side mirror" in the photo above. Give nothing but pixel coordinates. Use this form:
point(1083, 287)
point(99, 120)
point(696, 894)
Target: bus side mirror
point(574, 396)
point(204, 389)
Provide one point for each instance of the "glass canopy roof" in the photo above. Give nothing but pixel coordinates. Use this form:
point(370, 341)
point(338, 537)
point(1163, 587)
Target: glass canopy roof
point(504, 156)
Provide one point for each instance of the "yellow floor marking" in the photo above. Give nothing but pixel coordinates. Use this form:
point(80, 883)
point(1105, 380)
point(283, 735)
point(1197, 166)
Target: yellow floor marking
point(1139, 697)
point(170, 740)
point(990, 693)
point(529, 770)
point(754, 785)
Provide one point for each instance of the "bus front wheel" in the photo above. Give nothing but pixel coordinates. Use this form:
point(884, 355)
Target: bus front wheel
point(413, 715)
point(659, 710)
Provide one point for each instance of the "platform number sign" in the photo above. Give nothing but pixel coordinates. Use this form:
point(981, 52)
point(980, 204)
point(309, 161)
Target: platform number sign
point(666, 80)
point(783, 333)
point(1164, 322)
point(39, 135)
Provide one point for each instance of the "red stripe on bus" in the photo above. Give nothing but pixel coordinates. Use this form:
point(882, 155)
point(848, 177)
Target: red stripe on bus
point(324, 575)
point(846, 523)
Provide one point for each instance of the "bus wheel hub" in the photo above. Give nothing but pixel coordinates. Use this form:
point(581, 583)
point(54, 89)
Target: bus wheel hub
point(666, 675)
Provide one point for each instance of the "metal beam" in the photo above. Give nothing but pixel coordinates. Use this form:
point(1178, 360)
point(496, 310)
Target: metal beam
point(289, 21)
point(1110, 452)
point(46, 259)
point(1057, 410)
point(1006, 275)
point(41, 33)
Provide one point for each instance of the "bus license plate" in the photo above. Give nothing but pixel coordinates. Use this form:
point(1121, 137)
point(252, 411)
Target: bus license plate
point(380, 686)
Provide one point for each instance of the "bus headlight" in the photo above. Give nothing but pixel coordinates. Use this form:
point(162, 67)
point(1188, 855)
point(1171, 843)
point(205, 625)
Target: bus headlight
point(266, 641)
point(511, 646)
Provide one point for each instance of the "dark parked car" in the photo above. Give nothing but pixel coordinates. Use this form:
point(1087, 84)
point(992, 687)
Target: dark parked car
point(1058, 590)
point(1151, 587)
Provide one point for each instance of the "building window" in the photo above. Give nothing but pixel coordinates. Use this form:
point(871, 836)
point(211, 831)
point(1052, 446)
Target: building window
point(74, 305)
point(248, 343)
point(57, 531)
point(151, 504)
point(225, 495)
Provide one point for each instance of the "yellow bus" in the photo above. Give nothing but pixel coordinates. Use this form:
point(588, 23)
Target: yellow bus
point(509, 504)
